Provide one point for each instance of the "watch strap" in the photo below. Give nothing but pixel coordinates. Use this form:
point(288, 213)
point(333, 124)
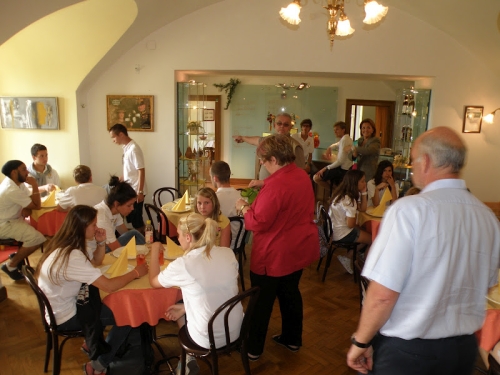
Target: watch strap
point(360, 344)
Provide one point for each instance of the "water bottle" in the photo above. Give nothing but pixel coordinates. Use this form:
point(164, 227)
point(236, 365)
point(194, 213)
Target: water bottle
point(148, 234)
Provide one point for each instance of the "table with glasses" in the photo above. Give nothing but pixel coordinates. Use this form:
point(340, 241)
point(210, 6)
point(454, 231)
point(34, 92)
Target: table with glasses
point(138, 302)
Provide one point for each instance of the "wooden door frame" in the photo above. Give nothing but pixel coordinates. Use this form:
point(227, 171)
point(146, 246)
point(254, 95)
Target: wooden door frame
point(391, 105)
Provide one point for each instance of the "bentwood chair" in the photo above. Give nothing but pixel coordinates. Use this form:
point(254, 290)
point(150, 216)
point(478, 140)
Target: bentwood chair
point(239, 245)
point(50, 326)
point(169, 194)
point(327, 228)
point(159, 221)
point(19, 244)
point(210, 355)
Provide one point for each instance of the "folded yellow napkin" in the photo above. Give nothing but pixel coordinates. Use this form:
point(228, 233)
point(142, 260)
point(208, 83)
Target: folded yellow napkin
point(49, 201)
point(185, 197)
point(180, 206)
point(119, 267)
point(172, 250)
point(130, 249)
point(380, 209)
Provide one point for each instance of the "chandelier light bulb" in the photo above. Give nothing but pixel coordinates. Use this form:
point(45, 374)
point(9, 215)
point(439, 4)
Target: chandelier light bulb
point(344, 27)
point(291, 13)
point(374, 12)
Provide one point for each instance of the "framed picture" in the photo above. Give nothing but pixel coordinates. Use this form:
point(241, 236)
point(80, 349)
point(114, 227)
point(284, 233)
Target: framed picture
point(29, 113)
point(208, 115)
point(473, 116)
point(135, 112)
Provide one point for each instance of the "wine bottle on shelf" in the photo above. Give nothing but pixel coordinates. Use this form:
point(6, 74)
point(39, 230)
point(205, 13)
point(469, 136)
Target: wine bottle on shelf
point(411, 105)
point(405, 105)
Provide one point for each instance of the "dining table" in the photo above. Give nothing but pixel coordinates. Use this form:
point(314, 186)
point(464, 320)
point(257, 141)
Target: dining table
point(138, 302)
point(47, 220)
point(370, 223)
point(173, 216)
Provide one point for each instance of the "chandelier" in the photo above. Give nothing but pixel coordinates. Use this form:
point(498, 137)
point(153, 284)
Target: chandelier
point(338, 23)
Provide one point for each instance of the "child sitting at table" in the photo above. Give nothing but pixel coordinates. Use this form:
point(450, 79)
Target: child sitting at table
point(349, 196)
point(207, 204)
point(383, 180)
point(66, 270)
point(207, 275)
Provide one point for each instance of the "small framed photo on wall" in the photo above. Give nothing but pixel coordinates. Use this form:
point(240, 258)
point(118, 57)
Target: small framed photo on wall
point(135, 112)
point(208, 115)
point(473, 117)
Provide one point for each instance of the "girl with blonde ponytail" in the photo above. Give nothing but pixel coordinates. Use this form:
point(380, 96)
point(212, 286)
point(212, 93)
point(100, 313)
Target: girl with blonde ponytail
point(207, 275)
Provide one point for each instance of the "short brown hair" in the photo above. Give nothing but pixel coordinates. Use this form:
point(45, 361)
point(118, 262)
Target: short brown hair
point(37, 147)
point(341, 124)
point(221, 170)
point(82, 174)
point(118, 128)
point(279, 146)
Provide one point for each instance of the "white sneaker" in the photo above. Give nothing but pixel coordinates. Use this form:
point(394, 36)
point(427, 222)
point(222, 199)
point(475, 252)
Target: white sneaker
point(346, 263)
point(192, 367)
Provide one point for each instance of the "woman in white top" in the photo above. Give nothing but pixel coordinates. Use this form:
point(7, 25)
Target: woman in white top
point(110, 213)
point(383, 180)
point(207, 276)
point(66, 265)
point(343, 211)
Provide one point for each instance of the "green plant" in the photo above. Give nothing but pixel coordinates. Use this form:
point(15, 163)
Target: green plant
point(228, 89)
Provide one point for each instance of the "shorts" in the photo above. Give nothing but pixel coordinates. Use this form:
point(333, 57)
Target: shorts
point(352, 236)
point(135, 217)
point(334, 175)
point(21, 231)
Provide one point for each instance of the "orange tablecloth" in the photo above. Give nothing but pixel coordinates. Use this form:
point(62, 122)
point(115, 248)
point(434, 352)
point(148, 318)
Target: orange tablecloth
point(138, 302)
point(173, 218)
point(49, 223)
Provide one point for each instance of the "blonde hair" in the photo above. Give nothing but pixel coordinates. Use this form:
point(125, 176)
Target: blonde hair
point(203, 230)
point(210, 194)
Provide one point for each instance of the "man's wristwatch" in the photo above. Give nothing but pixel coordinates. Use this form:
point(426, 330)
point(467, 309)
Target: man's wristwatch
point(360, 344)
point(140, 192)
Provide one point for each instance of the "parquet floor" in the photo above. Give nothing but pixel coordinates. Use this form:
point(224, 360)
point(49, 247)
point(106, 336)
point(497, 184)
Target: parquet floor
point(331, 312)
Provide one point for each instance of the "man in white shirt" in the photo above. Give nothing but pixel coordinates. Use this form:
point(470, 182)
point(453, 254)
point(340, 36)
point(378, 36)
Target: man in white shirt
point(46, 177)
point(16, 203)
point(220, 173)
point(306, 141)
point(430, 267)
point(333, 174)
point(134, 171)
point(84, 193)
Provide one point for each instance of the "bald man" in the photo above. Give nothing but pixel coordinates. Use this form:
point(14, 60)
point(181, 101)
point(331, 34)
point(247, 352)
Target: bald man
point(430, 267)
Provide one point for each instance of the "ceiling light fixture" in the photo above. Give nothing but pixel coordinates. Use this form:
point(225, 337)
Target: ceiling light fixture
point(490, 117)
point(338, 23)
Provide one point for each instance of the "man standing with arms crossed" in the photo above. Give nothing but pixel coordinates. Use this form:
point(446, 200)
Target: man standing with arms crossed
point(16, 203)
point(430, 268)
point(134, 171)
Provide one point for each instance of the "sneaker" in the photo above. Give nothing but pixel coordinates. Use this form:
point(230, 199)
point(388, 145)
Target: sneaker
point(292, 348)
point(14, 275)
point(20, 264)
point(253, 358)
point(192, 367)
point(346, 263)
point(84, 348)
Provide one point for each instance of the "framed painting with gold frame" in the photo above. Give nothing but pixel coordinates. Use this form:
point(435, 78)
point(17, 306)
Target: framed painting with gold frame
point(473, 116)
point(135, 112)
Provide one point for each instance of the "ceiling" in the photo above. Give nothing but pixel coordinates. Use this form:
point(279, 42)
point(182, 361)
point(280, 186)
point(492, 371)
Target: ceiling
point(473, 24)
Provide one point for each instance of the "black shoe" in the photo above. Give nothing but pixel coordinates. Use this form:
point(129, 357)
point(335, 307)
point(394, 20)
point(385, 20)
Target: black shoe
point(292, 348)
point(14, 275)
point(253, 358)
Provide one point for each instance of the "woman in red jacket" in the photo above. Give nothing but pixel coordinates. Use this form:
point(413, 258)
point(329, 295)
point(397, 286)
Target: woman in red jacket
point(285, 241)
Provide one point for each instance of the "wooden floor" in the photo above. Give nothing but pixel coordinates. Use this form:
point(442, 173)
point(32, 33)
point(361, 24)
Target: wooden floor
point(331, 312)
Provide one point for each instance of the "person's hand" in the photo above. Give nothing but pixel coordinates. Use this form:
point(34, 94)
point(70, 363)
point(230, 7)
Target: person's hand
point(25, 212)
point(239, 203)
point(390, 181)
point(140, 197)
point(256, 183)
point(142, 269)
point(320, 172)
point(30, 180)
point(328, 154)
point(100, 234)
point(382, 185)
point(360, 359)
point(51, 187)
point(121, 178)
point(238, 138)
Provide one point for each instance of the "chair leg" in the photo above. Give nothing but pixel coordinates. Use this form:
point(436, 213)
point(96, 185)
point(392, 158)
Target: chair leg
point(56, 362)
point(328, 262)
point(183, 361)
point(319, 263)
point(244, 357)
point(48, 348)
point(240, 261)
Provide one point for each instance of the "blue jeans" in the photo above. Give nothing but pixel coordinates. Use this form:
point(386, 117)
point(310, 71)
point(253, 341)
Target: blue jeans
point(116, 337)
point(127, 236)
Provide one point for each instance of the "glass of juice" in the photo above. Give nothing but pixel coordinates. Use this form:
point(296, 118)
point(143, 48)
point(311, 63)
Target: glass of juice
point(161, 260)
point(140, 258)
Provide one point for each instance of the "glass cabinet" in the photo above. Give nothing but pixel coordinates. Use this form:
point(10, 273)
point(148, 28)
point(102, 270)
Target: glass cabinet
point(192, 159)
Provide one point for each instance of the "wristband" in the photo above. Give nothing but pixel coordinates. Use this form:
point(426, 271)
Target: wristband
point(359, 344)
point(101, 243)
point(137, 272)
point(241, 209)
point(140, 192)
point(365, 193)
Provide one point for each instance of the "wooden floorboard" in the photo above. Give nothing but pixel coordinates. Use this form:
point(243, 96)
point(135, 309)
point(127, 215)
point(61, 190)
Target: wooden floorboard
point(331, 313)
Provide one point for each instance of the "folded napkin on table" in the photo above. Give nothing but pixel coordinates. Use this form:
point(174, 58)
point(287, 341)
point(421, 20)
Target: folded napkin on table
point(172, 250)
point(48, 204)
point(119, 267)
point(130, 248)
point(185, 197)
point(180, 206)
point(380, 209)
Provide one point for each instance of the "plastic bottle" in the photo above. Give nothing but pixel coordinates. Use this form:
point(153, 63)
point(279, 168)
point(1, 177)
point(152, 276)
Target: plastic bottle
point(148, 234)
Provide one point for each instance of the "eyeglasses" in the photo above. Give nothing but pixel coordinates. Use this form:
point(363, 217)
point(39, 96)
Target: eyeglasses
point(286, 124)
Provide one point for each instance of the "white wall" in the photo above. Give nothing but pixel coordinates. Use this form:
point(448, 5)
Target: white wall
point(224, 37)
